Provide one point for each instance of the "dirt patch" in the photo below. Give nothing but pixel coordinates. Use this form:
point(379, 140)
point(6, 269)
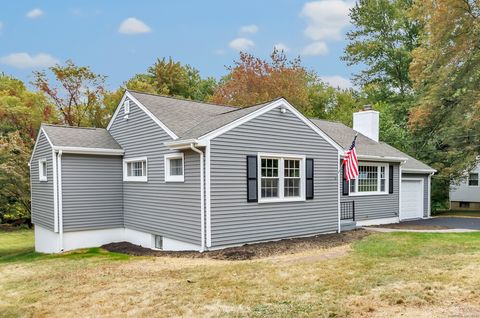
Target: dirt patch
point(406, 226)
point(249, 251)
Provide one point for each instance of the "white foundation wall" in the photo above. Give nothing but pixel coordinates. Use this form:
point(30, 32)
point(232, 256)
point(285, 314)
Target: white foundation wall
point(378, 221)
point(47, 241)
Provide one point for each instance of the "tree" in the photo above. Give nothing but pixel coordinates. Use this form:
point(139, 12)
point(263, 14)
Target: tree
point(383, 39)
point(252, 80)
point(445, 72)
point(77, 92)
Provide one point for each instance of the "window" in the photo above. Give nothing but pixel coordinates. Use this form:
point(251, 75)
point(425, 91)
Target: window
point(465, 205)
point(372, 179)
point(126, 107)
point(135, 169)
point(42, 169)
point(158, 242)
point(174, 167)
point(281, 178)
point(473, 179)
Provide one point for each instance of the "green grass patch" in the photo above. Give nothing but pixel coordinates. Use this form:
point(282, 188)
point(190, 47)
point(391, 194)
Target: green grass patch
point(18, 246)
point(458, 213)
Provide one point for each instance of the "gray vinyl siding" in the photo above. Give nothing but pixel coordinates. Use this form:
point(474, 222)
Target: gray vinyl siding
point(371, 207)
point(425, 188)
point(92, 192)
point(233, 219)
point(170, 209)
point(42, 191)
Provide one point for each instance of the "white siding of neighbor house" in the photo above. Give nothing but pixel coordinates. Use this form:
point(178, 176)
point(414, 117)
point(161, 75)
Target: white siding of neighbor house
point(371, 207)
point(236, 221)
point(425, 188)
point(92, 191)
point(42, 191)
point(462, 192)
point(169, 209)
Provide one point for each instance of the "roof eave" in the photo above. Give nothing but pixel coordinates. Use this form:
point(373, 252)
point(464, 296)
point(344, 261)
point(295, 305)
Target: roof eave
point(89, 151)
point(181, 144)
point(381, 158)
point(419, 170)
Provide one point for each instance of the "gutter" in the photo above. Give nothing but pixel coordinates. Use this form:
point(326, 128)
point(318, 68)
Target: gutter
point(60, 199)
point(202, 197)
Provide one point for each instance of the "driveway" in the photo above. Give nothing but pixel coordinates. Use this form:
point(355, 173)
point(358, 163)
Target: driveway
point(436, 224)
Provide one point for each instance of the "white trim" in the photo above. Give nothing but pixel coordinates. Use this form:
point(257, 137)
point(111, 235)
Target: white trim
point(281, 179)
point(381, 158)
point(400, 180)
point(167, 158)
point(422, 180)
point(339, 188)
point(208, 207)
point(202, 198)
point(42, 172)
point(55, 191)
point(371, 193)
point(145, 109)
point(60, 199)
point(278, 103)
point(378, 221)
point(406, 170)
point(429, 200)
point(126, 107)
point(90, 151)
point(127, 178)
point(36, 143)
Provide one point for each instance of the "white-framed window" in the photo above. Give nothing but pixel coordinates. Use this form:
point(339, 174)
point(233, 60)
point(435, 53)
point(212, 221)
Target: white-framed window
point(473, 179)
point(42, 170)
point(281, 177)
point(126, 107)
point(135, 169)
point(372, 179)
point(174, 167)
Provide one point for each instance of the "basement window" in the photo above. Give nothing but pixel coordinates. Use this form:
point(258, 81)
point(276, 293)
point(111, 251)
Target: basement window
point(135, 169)
point(42, 170)
point(465, 205)
point(158, 242)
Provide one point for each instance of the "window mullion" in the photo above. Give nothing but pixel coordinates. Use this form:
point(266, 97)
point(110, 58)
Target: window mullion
point(281, 176)
point(379, 177)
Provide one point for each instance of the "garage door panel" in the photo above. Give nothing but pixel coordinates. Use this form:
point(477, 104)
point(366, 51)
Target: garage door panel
point(412, 199)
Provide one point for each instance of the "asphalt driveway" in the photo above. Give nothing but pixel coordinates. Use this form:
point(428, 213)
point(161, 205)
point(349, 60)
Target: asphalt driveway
point(445, 222)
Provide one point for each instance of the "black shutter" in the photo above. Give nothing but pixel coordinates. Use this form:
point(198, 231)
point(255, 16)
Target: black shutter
point(309, 178)
point(252, 179)
point(344, 181)
point(390, 179)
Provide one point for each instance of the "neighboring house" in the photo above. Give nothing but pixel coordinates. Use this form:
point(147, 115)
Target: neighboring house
point(466, 194)
point(175, 174)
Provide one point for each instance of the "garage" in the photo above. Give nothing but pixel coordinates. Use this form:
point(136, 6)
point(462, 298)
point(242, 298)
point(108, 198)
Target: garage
point(412, 199)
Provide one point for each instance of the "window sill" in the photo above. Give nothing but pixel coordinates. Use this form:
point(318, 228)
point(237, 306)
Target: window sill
point(174, 179)
point(366, 194)
point(43, 179)
point(278, 200)
point(142, 179)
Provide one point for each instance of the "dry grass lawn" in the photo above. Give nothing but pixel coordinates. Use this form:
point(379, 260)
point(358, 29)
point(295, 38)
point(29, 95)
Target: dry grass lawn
point(383, 275)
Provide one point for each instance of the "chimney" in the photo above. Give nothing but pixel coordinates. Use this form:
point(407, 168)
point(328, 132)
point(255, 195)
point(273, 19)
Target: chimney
point(367, 122)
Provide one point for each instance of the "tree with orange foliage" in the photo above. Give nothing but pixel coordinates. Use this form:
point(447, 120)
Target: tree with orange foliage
point(252, 80)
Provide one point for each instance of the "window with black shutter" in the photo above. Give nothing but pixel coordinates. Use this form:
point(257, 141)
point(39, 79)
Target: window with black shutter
point(252, 179)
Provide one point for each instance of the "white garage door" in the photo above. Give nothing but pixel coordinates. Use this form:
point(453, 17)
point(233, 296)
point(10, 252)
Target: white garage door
point(412, 199)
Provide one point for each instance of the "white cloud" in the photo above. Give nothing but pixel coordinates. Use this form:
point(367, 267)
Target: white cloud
point(25, 60)
point(337, 81)
point(316, 48)
point(241, 44)
point(252, 29)
point(35, 13)
point(133, 26)
point(282, 47)
point(326, 18)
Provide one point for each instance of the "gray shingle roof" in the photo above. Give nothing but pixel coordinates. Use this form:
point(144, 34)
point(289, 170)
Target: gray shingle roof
point(64, 136)
point(343, 135)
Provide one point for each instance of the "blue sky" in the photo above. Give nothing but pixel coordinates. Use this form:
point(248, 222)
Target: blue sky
point(122, 38)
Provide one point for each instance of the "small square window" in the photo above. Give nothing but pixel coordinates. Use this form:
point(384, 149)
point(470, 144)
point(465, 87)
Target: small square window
point(174, 167)
point(135, 169)
point(473, 179)
point(42, 170)
point(464, 205)
point(159, 242)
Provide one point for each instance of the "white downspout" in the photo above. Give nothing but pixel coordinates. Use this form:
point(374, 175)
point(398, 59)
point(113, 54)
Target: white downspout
point(202, 198)
point(60, 199)
point(400, 178)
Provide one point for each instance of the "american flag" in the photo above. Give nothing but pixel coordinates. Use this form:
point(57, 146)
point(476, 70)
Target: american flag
point(350, 162)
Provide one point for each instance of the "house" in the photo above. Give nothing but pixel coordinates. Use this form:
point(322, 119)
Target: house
point(175, 174)
point(465, 195)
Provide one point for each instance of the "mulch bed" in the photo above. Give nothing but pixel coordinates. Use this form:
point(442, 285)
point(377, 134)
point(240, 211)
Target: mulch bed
point(249, 251)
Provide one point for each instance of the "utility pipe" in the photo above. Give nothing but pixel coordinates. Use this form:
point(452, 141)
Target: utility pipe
point(60, 199)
